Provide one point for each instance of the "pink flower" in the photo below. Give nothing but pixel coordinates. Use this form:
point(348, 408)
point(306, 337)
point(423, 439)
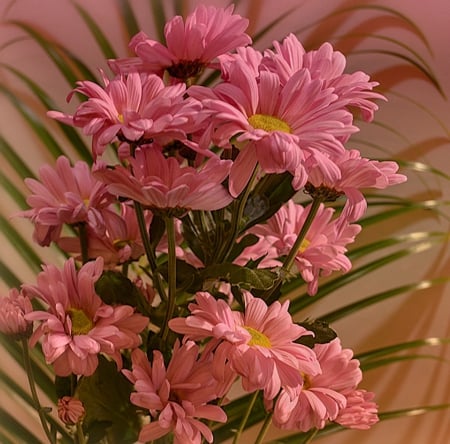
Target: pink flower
point(70, 410)
point(176, 397)
point(353, 174)
point(321, 252)
point(259, 344)
point(117, 241)
point(77, 325)
point(137, 108)
point(278, 126)
point(13, 309)
point(64, 195)
point(353, 90)
point(323, 396)
point(160, 183)
point(207, 33)
point(360, 411)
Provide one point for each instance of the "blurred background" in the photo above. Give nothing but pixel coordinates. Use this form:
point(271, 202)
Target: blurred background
point(402, 44)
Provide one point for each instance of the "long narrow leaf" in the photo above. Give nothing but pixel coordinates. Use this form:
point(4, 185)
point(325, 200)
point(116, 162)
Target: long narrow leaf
point(14, 428)
point(97, 33)
point(129, 18)
point(395, 359)
point(34, 121)
point(159, 18)
point(72, 135)
point(8, 276)
point(379, 297)
point(391, 349)
point(14, 159)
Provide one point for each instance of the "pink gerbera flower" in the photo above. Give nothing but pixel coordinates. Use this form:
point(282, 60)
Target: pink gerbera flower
point(354, 90)
point(161, 183)
point(64, 195)
point(259, 344)
point(77, 325)
point(207, 33)
point(360, 412)
point(323, 396)
point(353, 174)
point(278, 126)
point(321, 252)
point(13, 309)
point(70, 410)
point(137, 108)
point(176, 397)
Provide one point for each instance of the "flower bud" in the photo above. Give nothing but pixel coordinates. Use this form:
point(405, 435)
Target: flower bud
point(70, 410)
point(13, 309)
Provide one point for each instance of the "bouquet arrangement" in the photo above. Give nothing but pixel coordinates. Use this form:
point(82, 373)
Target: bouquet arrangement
point(218, 176)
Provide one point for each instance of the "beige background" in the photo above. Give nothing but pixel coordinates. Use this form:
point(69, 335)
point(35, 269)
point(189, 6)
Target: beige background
point(403, 128)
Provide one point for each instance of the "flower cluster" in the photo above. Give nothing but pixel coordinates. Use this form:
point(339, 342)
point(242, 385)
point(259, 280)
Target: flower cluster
point(179, 248)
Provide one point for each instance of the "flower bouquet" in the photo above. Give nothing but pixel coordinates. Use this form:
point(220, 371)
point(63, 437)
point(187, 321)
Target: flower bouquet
point(223, 178)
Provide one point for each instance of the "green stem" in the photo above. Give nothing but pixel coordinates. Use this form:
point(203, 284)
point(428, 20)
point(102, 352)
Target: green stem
point(172, 276)
point(301, 236)
point(311, 436)
point(80, 435)
point(149, 250)
point(245, 418)
point(264, 428)
point(236, 219)
point(84, 242)
point(34, 395)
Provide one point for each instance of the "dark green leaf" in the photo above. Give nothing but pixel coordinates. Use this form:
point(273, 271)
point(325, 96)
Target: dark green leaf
point(322, 333)
point(110, 410)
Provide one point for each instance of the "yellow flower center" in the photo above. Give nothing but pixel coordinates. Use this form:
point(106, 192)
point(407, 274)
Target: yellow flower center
point(81, 324)
point(120, 243)
point(258, 338)
point(306, 381)
point(120, 117)
point(304, 245)
point(269, 123)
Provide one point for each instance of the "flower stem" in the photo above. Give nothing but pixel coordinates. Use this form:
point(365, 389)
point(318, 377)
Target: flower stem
point(311, 436)
point(149, 250)
point(245, 418)
point(301, 236)
point(264, 428)
point(34, 395)
point(84, 242)
point(236, 219)
point(80, 435)
point(172, 276)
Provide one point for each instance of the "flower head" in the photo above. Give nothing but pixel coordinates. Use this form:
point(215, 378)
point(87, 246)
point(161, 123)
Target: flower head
point(323, 396)
point(13, 309)
point(77, 325)
point(70, 410)
point(64, 195)
point(360, 412)
point(259, 343)
point(176, 397)
point(192, 45)
point(137, 108)
point(161, 183)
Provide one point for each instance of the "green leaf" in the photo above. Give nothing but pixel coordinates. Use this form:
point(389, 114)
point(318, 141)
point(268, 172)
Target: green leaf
point(127, 14)
point(16, 429)
point(96, 31)
point(394, 359)
point(379, 297)
point(159, 18)
point(14, 159)
point(71, 134)
point(109, 412)
point(34, 121)
point(395, 348)
point(247, 278)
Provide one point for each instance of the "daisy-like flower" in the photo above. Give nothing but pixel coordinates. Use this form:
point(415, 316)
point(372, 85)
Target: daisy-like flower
point(176, 397)
point(360, 412)
point(278, 126)
point(259, 344)
point(323, 396)
point(321, 252)
point(191, 46)
point(13, 309)
point(70, 410)
point(137, 108)
point(78, 325)
point(161, 183)
point(354, 90)
point(64, 195)
point(117, 241)
point(353, 174)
